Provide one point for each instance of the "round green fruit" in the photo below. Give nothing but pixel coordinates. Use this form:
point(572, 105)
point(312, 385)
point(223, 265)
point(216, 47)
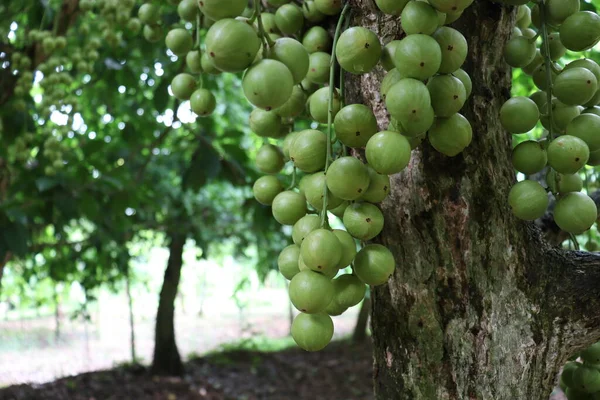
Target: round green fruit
point(349, 290)
point(358, 50)
point(574, 394)
point(295, 105)
point(289, 19)
point(287, 261)
point(586, 379)
point(316, 39)
point(304, 226)
point(183, 85)
point(562, 115)
point(311, 12)
point(287, 142)
point(291, 52)
point(355, 124)
point(348, 248)
point(309, 150)
point(319, 105)
point(519, 114)
point(319, 67)
point(203, 102)
point(149, 14)
point(232, 45)
point(219, 9)
point(566, 375)
point(559, 10)
point(450, 136)
point(450, 5)
point(387, 55)
point(580, 31)
point(567, 154)
point(269, 159)
point(379, 187)
point(321, 250)
point(529, 157)
point(288, 207)
point(152, 33)
point(418, 56)
point(587, 128)
point(310, 292)
point(419, 17)
point(193, 61)
point(312, 332)
point(528, 200)
point(314, 187)
point(268, 84)
point(347, 178)
point(265, 123)
point(563, 183)
point(188, 10)
point(179, 41)
point(208, 66)
point(388, 152)
point(591, 355)
point(392, 7)
point(587, 63)
point(454, 49)
point(519, 52)
point(339, 210)
point(329, 7)
point(266, 188)
point(335, 309)
point(409, 102)
point(575, 213)
point(465, 79)
point(575, 86)
point(374, 264)
point(363, 221)
point(448, 95)
point(389, 80)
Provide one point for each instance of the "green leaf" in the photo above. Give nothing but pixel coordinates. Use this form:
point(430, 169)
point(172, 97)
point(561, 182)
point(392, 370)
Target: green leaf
point(14, 239)
point(205, 165)
point(161, 96)
point(45, 183)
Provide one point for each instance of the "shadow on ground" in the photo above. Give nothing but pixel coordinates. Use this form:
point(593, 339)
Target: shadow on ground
point(343, 371)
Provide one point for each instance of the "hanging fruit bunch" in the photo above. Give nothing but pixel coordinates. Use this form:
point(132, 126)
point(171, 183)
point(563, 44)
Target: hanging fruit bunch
point(580, 378)
point(566, 105)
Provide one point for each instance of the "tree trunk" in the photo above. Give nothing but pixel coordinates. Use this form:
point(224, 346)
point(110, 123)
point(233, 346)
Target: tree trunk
point(2, 265)
point(166, 356)
point(360, 329)
point(56, 315)
point(480, 306)
point(131, 316)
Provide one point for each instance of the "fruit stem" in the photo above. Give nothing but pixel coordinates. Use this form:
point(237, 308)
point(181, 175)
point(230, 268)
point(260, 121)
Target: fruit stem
point(198, 24)
point(338, 31)
point(56, 19)
point(548, 64)
point(574, 240)
point(293, 184)
point(266, 39)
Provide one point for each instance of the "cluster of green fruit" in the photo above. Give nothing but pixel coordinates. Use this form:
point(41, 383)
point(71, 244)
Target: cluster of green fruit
point(566, 105)
point(581, 380)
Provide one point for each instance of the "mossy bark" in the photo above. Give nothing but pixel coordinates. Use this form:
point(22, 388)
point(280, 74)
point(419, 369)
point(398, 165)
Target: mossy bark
point(480, 306)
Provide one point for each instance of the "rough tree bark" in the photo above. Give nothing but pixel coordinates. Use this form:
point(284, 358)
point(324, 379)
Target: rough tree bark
point(480, 306)
point(166, 359)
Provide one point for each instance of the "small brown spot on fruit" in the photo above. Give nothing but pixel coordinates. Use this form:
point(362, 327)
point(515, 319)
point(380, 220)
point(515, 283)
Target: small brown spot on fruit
point(357, 133)
point(577, 159)
point(212, 53)
point(450, 47)
point(422, 64)
point(368, 219)
point(455, 97)
point(367, 45)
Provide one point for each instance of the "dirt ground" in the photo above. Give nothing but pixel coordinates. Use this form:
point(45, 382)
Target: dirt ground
point(343, 371)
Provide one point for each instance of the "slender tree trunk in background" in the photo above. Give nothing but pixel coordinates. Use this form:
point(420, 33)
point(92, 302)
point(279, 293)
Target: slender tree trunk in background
point(360, 329)
point(56, 315)
point(131, 316)
point(166, 359)
point(479, 307)
point(2, 265)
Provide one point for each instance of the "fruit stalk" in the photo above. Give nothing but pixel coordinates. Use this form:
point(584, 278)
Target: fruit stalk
point(198, 25)
point(267, 41)
point(338, 31)
point(547, 63)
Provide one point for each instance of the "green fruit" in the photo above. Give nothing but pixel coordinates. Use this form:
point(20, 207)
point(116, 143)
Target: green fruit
point(314, 187)
point(347, 178)
point(329, 7)
point(389, 80)
point(287, 142)
point(319, 105)
point(448, 95)
point(594, 158)
point(519, 114)
point(232, 45)
point(392, 7)
point(265, 123)
point(349, 290)
point(203, 102)
point(291, 52)
point(220, 9)
point(519, 52)
point(268, 84)
point(188, 10)
point(358, 50)
point(450, 136)
point(149, 13)
point(310, 292)
point(183, 85)
point(591, 355)
point(321, 250)
point(335, 309)
point(562, 115)
point(179, 41)
point(409, 102)
point(419, 17)
point(364, 221)
point(289, 19)
point(454, 49)
point(348, 248)
point(592, 247)
point(339, 210)
point(311, 12)
point(387, 55)
point(587, 63)
point(319, 67)
point(587, 128)
point(557, 49)
point(465, 79)
point(418, 56)
point(528, 200)
point(354, 125)
point(574, 394)
point(152, 33)
point(388, 152)
point(540, 98)
point(528, 32)
point(575, 86)
point(379, 187)
point(559, 10)
point(269, 159)
point(289, 207)
point(301, 265)
point(309, 150)
point(374, 264)
point(193, 61)
point(564, 183)
point(316, 39)
point(586, 379)
point(450, 5)
point(288, 261)
point(567, 154)
point(207, 65)
point(566, 375)
point(266, 188)
point(304, 226)
point(580, 31)
point(592, 110)
point(523, 17)
point(312, 332)
point(529, 157)
point(540, 77)
point(575, 213)
point(269, 24)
